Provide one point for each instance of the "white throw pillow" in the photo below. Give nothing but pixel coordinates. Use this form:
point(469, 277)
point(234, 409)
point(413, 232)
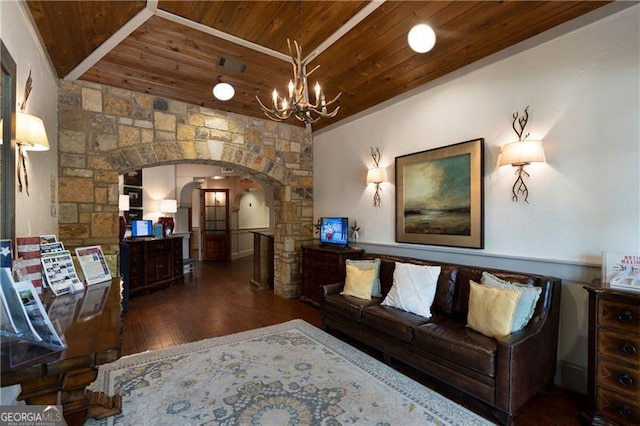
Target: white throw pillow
point(414, 288)
point(529, 296)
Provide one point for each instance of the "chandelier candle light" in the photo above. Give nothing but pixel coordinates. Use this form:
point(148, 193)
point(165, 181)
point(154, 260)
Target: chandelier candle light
point(297, 102)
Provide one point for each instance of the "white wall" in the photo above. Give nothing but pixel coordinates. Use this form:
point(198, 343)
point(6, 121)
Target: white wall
point(581, 82)
point(36, 214)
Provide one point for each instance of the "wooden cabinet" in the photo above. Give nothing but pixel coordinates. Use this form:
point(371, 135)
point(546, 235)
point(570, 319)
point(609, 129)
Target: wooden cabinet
point(323, 265)
point(614, 357)
point(149, 263)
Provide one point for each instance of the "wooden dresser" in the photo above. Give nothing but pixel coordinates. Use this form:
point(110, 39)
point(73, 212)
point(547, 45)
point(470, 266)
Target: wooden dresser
point(149, 263)
point(323, 265)
point(614, 357)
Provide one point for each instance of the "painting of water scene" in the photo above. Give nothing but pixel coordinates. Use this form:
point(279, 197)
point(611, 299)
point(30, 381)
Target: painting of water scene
point(439, 196)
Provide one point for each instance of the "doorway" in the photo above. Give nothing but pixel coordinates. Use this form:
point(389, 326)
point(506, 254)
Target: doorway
point(214, 224)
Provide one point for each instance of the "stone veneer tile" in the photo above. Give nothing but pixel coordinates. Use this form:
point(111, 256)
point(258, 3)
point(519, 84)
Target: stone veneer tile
point(104, 224)
point(71, 160)
point(117, 106)
point(72, 189)
point(67, 212)
point(98, 162)
point(71, 141)
point(100, 195)
point(163, 121)
point(186, 132)
point(91, 99)
point(128, 135)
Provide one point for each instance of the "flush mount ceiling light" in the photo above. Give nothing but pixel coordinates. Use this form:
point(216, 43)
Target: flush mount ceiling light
point(223, 91)
point(421, 38)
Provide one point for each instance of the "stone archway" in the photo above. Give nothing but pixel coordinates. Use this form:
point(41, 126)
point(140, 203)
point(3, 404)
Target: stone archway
point(104, 132)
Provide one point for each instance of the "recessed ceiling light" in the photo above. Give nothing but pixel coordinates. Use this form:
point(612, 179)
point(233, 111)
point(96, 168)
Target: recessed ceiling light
point(421, 38)
point(223, 91)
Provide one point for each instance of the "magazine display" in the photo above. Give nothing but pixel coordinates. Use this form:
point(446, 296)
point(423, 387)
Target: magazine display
point(27, 331)
point(60, 273)
point(93, 264)
point(621, 271)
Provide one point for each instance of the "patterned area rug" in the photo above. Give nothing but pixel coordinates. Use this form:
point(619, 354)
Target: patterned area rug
point(287, 374)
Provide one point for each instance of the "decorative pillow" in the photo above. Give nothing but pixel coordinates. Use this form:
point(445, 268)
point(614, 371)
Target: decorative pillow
point(491, 309)
point(529, 296)
point(369, 264)
point(359, 282)
point(414, 288)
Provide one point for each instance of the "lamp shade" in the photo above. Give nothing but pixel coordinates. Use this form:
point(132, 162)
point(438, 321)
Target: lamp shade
point(30, 133)
point(168, 206)
point(377, 175)
point(123, 203)
point(522, 152)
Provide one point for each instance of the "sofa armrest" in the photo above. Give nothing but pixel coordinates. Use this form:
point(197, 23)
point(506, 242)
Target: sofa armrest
point(331, 289)
point(526, 360)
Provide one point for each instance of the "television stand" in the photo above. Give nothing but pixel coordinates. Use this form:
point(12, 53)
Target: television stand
point(321, 265)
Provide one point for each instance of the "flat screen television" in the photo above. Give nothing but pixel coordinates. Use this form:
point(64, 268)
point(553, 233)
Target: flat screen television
point(141, 228)
point(334, 231)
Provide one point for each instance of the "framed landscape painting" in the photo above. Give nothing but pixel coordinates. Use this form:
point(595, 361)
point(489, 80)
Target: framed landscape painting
point(439, 196)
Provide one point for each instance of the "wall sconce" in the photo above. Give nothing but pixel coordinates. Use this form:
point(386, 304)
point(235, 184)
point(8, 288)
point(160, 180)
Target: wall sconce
point(168, 207)
point(30, 136)
point(519, 154)
point(376, 175)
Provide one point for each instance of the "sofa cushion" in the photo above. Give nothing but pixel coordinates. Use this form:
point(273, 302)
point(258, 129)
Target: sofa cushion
point(529, 296)
point(451, 339)
point(359, 282)
point(492, 309)
point(445, 290)
point(368, 264)
point(348, 307)
point(392, 322)
point(414, 288)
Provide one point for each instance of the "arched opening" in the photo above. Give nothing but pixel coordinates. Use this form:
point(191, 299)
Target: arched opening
point(106, 132)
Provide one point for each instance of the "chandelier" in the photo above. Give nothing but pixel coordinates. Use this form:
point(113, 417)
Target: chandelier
point(297, 102)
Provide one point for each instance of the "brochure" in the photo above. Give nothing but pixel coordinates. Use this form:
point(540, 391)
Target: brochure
point(60, 273)
point(93, 264)
point(621, 270)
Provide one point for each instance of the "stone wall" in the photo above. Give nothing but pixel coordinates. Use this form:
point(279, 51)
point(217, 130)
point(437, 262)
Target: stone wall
point(105, 132)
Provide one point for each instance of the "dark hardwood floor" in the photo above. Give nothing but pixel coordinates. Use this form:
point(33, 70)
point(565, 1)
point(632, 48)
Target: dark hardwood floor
point(219, 300)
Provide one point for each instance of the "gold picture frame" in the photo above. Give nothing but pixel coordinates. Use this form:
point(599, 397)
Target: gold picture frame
point(440, 196)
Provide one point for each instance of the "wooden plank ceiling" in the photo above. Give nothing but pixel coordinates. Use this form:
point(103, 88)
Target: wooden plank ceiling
point(370, 64)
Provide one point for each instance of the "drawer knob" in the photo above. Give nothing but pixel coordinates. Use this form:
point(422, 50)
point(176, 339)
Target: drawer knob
point(625, 379)
point(625, 411)
point(625, 316)
point(628, 348)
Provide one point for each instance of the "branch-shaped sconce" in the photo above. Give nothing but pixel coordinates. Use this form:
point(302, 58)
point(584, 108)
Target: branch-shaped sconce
point(520, 153)
point(30, 136)
point(376, 175)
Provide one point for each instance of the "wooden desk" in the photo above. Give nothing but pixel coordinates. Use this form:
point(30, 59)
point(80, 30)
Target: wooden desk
point(93, 337)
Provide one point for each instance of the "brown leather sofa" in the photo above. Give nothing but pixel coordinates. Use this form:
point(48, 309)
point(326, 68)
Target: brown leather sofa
point(503, 373)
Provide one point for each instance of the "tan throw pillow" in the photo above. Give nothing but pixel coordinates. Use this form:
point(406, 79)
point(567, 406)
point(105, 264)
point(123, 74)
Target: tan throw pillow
point(414, 288)
point(491, 309)
point(369, 264)
point(359, 282)
point(529, 296)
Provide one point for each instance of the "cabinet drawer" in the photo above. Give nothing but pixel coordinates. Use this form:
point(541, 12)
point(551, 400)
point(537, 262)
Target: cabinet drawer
point(136, 266)
point(134, 249)
point(622, 410)
point(619, 346)
point(622, 316)
point(158, 246)
point(619, 377)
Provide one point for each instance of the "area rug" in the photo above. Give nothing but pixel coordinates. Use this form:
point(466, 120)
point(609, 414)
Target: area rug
point(287, 374)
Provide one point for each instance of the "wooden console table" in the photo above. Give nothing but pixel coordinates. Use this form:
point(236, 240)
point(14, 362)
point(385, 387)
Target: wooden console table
point(92, 327)
point(323, 265)
point(148, 264)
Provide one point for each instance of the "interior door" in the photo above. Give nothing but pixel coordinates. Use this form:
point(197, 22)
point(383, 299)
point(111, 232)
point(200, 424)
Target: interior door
point(215, 230)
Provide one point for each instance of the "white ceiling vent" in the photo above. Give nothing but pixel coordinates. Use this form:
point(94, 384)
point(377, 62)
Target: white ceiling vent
point(232, 65)
point(226, 170)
